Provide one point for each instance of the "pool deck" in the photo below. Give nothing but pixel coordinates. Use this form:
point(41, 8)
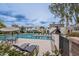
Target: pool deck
point(44, 45)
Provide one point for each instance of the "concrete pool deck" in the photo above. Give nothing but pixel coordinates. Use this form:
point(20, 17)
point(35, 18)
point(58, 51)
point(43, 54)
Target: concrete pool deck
point(44, 45)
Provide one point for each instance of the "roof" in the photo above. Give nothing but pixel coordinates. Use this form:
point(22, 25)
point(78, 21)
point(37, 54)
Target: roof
point(9, 29)
point(54, 25)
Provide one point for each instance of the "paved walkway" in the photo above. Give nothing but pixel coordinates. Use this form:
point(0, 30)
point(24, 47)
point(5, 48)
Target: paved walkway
point(44, 45)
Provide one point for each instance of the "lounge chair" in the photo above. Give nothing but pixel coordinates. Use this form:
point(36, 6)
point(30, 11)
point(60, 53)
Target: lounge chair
point(26, 47)
point(22, 47)
point(31, 48)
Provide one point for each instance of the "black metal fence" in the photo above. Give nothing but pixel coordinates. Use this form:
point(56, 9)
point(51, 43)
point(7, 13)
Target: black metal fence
point(64, 46)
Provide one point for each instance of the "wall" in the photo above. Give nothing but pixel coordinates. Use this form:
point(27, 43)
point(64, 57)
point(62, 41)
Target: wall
point(68, 46)
point(62, 43)
point(74, 50)
point(56, 40)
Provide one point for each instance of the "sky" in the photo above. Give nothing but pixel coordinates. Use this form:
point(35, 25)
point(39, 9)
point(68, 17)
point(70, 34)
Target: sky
point(34, 14)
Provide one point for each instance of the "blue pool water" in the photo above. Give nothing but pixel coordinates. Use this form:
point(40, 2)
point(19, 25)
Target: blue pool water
point(31, 36)
point(26, 36)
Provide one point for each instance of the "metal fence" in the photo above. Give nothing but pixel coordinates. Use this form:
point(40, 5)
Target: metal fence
point(64, 45)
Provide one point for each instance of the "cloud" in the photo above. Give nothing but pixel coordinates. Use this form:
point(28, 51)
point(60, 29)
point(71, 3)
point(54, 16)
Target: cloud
point(10, 18)
point(18, 17)
point(43, 22)
point(33, 20)
point(6, 13)
point(7, 19)
point(22, 20)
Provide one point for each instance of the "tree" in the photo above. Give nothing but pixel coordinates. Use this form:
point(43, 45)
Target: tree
point(67, 12)
point(22, 29)
point(2, 24)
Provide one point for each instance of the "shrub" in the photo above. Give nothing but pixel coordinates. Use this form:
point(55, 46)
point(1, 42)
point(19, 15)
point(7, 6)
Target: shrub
point(56, 52)
point(74, 34)
point(6, 49)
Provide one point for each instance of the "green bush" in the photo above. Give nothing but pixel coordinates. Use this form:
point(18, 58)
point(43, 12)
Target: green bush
point(6, 49)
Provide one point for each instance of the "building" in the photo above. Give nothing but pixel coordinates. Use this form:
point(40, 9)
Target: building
point(52, 27)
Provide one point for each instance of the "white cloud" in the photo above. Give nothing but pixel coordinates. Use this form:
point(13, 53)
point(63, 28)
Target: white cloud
point(35, 13)
point(7, 18)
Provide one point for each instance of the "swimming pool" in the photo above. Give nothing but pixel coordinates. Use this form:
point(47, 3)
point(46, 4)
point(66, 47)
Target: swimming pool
point(32, 36)
point(27, 36)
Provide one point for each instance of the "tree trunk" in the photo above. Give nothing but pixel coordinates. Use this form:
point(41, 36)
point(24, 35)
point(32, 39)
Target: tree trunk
point(67, 23)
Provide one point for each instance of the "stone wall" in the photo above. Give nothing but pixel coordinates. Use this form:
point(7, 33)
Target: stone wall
point(75, 49)
point(74, 46)
point(68, 45)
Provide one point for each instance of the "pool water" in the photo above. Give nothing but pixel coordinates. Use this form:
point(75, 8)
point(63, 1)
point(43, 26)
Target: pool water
point(26, 36)
point(31, 36)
